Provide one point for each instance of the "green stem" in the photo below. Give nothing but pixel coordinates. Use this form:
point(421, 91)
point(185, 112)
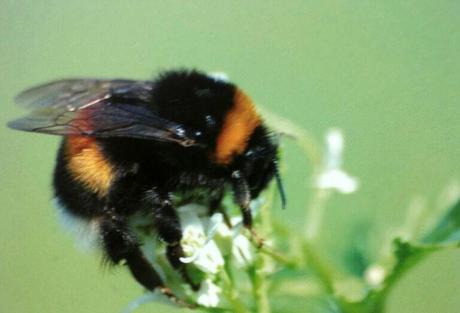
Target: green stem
point(316, 207)
point(378, 298)
point(232, 296)
point(258, 277)
point(261, 288)
point(315, 213)
point(319, 266)
point(278, 257)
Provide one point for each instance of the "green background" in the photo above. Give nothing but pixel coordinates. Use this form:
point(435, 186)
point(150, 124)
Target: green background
point(386, 72)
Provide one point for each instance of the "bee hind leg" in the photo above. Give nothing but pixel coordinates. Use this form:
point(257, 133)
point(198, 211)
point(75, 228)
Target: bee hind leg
point(121, 244)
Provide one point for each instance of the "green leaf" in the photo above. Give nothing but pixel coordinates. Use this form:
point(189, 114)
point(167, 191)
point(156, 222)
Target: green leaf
point(407, 255)
point(447, 230)
point(445, 234)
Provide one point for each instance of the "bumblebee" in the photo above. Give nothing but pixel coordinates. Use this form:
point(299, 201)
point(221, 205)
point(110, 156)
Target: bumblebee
point(129, 146)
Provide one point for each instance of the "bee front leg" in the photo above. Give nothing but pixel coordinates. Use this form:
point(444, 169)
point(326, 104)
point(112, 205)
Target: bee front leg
point(242, 197)
point(167, 223)
point(215, 202)
point(120, 244)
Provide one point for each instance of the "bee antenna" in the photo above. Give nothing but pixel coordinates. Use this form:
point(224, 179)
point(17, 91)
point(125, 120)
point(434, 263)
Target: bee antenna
point(279, 184)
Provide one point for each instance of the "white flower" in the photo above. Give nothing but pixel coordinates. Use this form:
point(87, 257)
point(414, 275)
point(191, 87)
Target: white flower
point(198, 244)
point(375, 275)
point(337, 179)
point(240, 245)
point(208, 295)
point(332, 176)
point(241, 251)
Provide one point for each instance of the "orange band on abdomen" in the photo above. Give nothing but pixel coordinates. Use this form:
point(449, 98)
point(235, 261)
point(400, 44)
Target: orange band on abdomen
point(88, 165)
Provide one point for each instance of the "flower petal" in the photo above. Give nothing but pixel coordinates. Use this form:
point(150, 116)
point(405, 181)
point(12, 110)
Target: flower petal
point(338, 180)
point(375, 275)
point(241, 251)
point(190, 259)
point(214, 223)
point(334, 146)
point(193, 234)
point(208, 295)
point(209, 259)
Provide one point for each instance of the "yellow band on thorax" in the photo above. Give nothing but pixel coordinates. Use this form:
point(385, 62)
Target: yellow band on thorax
point(238, 126)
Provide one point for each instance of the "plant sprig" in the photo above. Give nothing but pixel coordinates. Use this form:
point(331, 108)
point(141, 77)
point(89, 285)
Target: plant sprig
point(251, 279)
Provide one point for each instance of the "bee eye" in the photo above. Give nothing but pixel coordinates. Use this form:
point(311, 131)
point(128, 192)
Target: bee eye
point(256, 153)
point(249, 153)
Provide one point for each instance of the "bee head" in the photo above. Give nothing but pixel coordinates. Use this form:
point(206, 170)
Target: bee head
point(258, 163)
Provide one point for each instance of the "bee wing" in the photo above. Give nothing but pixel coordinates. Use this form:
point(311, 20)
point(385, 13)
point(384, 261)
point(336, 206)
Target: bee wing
point(98, 108)
point(80, 91)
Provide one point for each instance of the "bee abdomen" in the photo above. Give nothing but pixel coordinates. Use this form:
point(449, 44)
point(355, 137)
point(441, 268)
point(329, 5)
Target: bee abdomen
point(73, 193)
